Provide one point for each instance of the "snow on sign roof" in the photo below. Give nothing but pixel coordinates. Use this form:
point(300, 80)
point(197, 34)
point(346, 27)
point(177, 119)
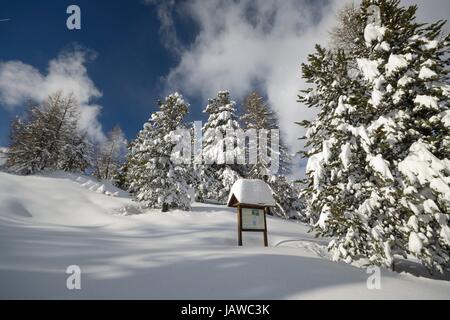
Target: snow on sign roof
point(251, 191)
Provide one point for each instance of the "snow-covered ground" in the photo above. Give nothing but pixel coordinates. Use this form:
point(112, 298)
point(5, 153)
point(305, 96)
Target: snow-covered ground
point(50, 222)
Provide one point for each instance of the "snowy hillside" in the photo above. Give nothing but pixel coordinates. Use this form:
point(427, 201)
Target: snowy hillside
point(50, 222)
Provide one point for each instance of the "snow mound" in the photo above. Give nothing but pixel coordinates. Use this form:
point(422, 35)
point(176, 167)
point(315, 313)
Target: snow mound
point(415, 243)
point(48, 223)
point(426, 101)
point(430, 45)
point(381, 166)
point(395, 63)
point(251, 191)
point(426, 73)
point(345, 155)
point(404, 81)
point(369, 68)
point(100, 186)
point(373, 33)
point(422, 167)
point(56, 198)
point(446, 118)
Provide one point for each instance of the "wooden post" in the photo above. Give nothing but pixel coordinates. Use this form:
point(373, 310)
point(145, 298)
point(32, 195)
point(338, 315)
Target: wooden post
point(239, 225)
point(266, 242)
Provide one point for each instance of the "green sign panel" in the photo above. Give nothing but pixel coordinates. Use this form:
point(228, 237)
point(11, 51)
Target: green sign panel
point(253, 219)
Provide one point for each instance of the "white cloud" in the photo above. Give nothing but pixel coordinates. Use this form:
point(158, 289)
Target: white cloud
point(430, 11)
point(20, 82)
point(167, 29)
point(244, 42)
point(241, 43)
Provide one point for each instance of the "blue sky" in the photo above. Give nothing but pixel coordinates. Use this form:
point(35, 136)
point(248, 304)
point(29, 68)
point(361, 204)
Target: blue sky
point(124, 35)
point(130, 53)
point(138, 51)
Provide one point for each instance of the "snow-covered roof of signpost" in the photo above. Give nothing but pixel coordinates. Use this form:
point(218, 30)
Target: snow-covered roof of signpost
point(251, 192)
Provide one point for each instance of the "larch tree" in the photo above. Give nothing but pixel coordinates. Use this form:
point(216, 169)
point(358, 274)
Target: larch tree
point(109, 154)
point(260, 117)
point(48, 138)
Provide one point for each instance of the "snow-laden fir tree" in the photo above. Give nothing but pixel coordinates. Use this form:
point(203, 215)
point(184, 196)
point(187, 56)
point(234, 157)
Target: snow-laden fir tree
point(49, 138)
point(336, 167)
point(260, 117)
point(220, 150)
point(153, 177)
point(379, 150)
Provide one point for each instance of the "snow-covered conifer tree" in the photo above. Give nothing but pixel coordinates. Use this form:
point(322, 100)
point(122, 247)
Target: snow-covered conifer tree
point(336, 166)
point(154, 179)
point(379, 161)
point(220, 149)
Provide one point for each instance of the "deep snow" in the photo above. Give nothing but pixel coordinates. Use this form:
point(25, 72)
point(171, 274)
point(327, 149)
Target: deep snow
point(50, 222)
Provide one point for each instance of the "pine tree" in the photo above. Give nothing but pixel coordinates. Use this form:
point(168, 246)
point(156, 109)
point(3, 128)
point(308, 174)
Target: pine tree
point(260, 117)
point(286, 195)
point(154, 179)
point(420, 150)
point(336, 159)
point(220, 149)
point(378, 168)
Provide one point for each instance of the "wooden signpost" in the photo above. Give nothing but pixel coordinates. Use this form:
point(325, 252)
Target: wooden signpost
point(252, 198)
point(251, 219)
